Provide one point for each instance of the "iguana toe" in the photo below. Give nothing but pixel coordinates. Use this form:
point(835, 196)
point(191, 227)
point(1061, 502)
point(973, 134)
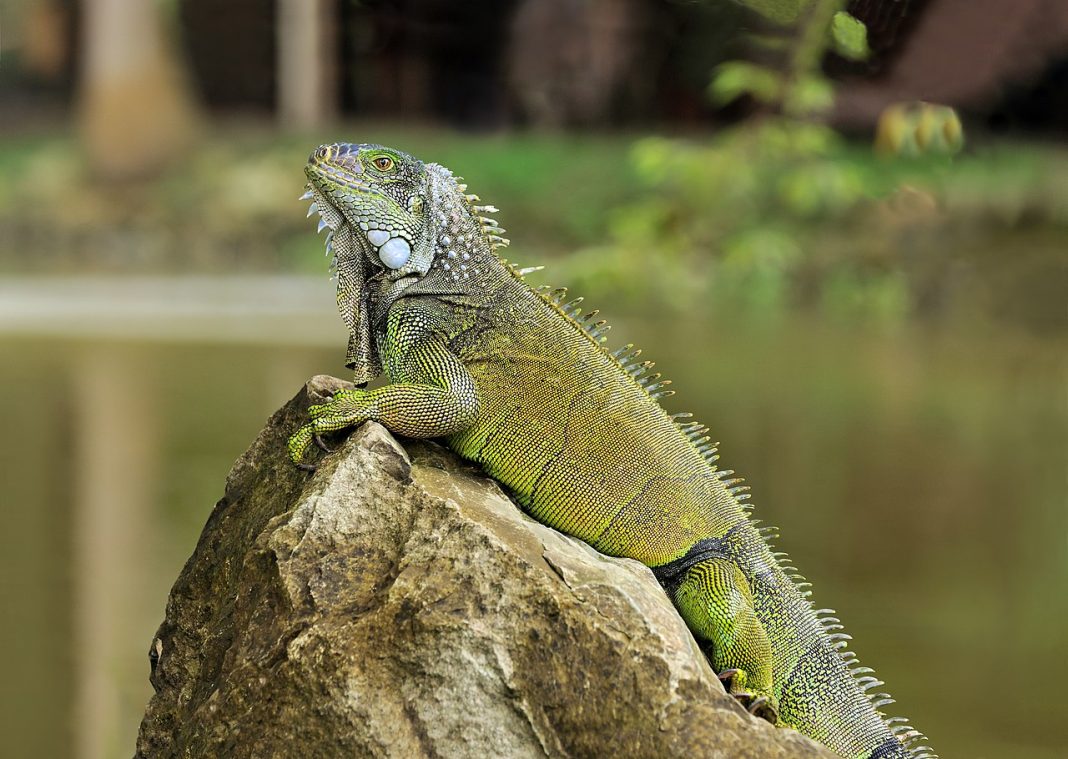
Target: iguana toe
point(298, 444)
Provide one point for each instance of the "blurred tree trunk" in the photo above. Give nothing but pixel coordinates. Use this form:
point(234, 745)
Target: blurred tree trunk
point(577, 72)
point(307, 35)
point(135, 111)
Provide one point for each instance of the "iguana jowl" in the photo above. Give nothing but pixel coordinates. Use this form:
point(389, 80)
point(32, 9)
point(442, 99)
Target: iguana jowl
point(517, 380)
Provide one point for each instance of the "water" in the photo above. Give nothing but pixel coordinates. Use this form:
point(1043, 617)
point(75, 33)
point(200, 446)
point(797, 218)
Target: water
point(918, 478)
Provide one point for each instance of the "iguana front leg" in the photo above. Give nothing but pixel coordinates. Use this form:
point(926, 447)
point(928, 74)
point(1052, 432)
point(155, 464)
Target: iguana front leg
point(432, 393)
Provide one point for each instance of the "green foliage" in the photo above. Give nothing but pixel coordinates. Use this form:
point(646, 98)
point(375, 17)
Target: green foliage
point(809, 94)
point(850, 37)
point(791, 80)
point(782, 214)
point(233, 204)
point(733, 79)
point(780, 11)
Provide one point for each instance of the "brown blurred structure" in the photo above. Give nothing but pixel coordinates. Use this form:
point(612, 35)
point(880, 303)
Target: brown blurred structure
point(307, 56)
point(134, 109)
point(498, 62)
point(969, 54)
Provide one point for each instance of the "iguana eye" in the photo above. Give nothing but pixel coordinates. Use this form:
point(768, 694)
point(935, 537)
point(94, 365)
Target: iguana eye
point(383, 163)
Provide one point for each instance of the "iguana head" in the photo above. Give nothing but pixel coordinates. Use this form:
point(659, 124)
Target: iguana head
point(390, 217)
point(398, 226)
point(380, 192)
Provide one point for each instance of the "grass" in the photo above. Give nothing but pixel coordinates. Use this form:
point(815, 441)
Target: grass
point(841, 228)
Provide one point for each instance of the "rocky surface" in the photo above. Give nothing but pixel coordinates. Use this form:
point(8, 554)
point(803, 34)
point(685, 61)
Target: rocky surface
point(396, 603)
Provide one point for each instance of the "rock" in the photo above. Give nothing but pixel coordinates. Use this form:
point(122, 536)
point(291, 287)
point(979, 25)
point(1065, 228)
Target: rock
point(397, 603)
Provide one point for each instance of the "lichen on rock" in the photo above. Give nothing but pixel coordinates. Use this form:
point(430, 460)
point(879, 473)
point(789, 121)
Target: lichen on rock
point(397, 603)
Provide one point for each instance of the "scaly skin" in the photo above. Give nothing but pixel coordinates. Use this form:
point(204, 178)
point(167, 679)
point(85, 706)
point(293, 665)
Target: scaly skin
point(518, 381)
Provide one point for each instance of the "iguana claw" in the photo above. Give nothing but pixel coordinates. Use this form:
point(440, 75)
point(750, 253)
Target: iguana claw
point(726, 675)
point(758, 706)
point(321, 445)
point(761, 707)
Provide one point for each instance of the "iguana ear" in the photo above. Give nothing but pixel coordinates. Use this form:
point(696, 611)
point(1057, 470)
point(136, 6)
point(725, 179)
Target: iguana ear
point(354, 301)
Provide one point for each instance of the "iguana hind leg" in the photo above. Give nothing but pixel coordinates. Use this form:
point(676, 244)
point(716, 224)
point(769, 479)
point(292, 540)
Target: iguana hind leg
point(715, 600)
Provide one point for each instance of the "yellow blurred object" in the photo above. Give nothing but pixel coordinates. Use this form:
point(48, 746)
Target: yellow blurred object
point(918, 128)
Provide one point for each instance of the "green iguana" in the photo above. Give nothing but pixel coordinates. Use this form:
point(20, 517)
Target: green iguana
point(516, 379)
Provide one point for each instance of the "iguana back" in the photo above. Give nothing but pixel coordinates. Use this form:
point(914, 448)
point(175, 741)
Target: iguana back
point(517, 380)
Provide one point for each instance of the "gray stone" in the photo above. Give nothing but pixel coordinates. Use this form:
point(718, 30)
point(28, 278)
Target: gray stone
point(397, 604)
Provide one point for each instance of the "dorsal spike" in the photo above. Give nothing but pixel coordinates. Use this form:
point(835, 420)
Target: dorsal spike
point(572, 307)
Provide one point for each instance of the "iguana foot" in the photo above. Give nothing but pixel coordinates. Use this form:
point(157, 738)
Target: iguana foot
point(759, 706)
point(346, 408)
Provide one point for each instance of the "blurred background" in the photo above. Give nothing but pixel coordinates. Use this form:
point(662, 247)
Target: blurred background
point(840, 227)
